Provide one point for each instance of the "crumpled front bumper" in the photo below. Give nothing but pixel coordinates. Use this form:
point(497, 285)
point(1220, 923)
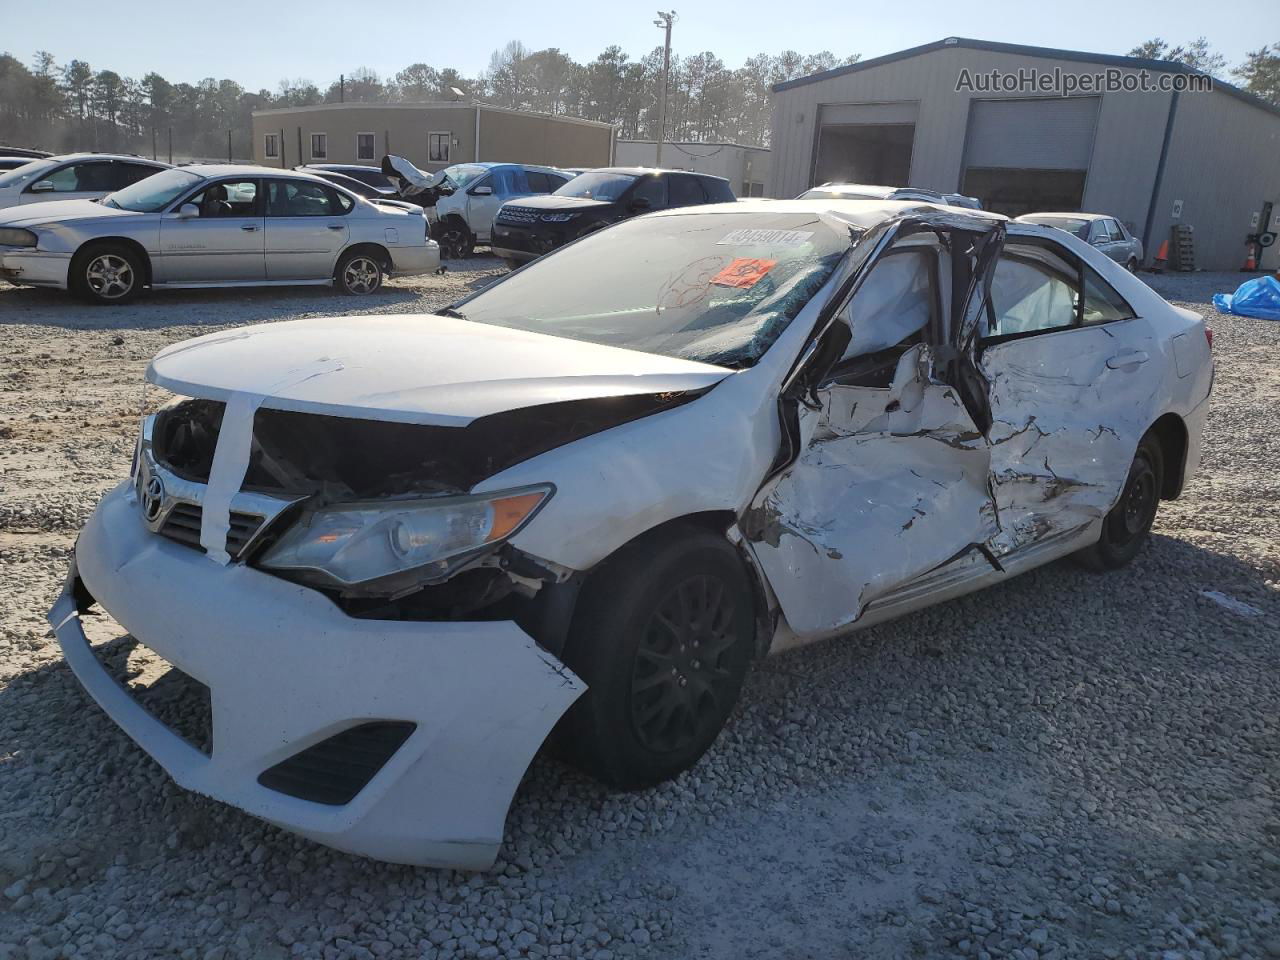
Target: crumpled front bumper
point(287, 669)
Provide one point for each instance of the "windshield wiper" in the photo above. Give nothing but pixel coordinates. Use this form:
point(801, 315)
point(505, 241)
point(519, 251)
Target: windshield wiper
point(451, 312)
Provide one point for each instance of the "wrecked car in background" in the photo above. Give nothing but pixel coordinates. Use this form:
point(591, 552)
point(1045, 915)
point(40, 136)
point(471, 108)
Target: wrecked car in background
point(399, 550)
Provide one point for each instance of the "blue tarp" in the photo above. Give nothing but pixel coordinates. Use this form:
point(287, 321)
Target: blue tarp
point(1254, 298)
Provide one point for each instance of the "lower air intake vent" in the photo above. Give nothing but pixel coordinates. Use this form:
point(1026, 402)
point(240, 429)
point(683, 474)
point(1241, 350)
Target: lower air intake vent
point(333, 771)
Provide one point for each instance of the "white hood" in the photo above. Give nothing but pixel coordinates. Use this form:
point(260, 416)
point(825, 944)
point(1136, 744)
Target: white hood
point(412, 368)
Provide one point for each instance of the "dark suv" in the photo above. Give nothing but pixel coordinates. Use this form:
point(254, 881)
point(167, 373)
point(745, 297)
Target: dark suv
point(526, 228)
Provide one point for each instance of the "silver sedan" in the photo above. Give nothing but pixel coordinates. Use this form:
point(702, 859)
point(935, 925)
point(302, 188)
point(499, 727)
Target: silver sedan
point(1111, 237)
point(213, 225)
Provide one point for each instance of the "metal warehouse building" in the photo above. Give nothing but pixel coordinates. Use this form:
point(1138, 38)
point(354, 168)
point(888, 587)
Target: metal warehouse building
point(430, 135)
point(928, 117)
point(746, 168)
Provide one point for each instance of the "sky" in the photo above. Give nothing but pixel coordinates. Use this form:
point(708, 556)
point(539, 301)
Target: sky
point(259, 44)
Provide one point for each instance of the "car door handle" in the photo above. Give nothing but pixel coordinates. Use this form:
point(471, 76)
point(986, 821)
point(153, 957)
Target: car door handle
point(249, 226)
point(336, 226)
point(1123, 361)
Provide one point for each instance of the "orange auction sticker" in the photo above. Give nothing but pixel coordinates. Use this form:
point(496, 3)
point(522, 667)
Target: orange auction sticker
point(743, 272)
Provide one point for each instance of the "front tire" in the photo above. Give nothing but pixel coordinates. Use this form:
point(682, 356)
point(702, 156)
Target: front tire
point(359, 273)
point(107, 273)
point(662, 635)
point(1125, 527)
point(456, 240)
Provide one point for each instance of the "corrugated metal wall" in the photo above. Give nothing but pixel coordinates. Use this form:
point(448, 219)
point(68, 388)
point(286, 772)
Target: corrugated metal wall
point(1129, 130)
point(1224, 162)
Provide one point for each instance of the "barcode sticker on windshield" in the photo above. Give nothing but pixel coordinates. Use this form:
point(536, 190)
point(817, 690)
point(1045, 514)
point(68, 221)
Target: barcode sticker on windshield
point(775, 238)
point(743, 272)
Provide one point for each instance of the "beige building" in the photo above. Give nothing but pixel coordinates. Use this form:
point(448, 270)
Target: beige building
point(936, 116)
point(430, 135)
point(746, 168)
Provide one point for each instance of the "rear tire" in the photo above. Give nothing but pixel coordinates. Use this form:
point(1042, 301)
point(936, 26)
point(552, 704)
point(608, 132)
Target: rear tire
point(359, 273)
point(107, 273)
point(1125, 528)
point(662, 635)
point(1132, 265)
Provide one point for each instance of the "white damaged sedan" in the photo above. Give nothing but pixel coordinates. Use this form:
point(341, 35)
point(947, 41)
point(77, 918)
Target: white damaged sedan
point(400, 551)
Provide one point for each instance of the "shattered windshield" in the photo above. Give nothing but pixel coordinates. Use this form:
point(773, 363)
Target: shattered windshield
point(461, 174)
point(713, 287)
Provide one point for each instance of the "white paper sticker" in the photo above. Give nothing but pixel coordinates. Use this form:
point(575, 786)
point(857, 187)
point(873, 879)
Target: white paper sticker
point(775, 238)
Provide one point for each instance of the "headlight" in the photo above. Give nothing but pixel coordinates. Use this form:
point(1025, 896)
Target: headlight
point(558, 217)
point(15, 237)
point(352, 543)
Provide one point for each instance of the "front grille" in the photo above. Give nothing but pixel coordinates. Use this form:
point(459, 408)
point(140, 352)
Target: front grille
point(183, 525)
point(178, 700)
point(517, 215)
point(335, 770)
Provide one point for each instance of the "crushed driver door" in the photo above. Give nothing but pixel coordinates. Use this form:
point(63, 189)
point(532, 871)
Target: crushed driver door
point(892, 475)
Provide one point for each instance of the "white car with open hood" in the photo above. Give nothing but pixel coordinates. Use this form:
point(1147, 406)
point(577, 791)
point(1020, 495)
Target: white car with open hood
point(400, 550)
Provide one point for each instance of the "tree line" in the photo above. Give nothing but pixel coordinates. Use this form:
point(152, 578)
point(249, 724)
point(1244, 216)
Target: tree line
point(70, 107)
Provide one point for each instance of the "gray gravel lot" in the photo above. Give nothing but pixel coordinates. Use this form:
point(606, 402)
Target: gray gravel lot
point(1065, 766)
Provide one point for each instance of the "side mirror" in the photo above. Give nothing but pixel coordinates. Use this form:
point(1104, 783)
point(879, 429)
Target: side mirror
point(42, 186)
point(641, 203)
point(482, 192)
point(909, 378)
point(188, 211)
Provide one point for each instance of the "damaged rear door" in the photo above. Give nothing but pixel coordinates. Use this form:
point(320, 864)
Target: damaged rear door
point(1072, 374)
point(892, 476)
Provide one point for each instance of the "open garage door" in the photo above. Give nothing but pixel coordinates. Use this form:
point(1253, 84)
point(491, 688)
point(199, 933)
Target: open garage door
point(865, 143)
point(1023, 156)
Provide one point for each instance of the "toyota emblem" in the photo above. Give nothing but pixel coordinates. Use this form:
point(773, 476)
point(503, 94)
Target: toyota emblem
point(152, 498)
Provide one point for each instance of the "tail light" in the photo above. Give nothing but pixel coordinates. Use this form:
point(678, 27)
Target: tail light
point(1208, 335)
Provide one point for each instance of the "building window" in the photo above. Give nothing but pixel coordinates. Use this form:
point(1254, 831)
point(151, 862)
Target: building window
point(438, 147)
point(319, 146)
point(271, 146)
point(365, 145)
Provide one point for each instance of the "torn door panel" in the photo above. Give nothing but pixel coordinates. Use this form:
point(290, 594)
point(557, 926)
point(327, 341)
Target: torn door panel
point(1065, 423)
point(897, 491)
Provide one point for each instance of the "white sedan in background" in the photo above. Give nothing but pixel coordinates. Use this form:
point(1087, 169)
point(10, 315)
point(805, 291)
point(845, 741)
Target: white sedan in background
point(73, 176)
point(214, 225)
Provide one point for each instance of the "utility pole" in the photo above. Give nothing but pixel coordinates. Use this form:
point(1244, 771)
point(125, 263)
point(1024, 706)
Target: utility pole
point(342, 88)
point(664, 20)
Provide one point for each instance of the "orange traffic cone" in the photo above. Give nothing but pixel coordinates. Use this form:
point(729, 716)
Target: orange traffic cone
point(1250, 262)
point(1162, 257)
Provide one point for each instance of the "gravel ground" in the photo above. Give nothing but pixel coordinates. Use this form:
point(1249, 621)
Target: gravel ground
point(1064, 766)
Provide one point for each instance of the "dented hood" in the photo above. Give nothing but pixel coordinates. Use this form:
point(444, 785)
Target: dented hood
point(413, 368)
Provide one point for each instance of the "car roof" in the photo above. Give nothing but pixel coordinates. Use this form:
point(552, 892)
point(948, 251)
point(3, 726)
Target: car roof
point(641, 171)
point(244, 170)
point(1030, 217)
point(129, 157)
point(862, 213)
point(338, 167)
